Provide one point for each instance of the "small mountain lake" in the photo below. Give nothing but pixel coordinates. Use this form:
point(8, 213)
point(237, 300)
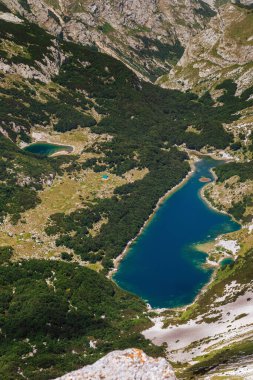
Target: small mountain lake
point(226, 261)
point(162, 266)
point(47, 149)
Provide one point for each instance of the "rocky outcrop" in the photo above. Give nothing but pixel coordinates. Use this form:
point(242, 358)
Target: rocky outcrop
point(148, 36)
point(247, 3)
point(43, 70)
point(222, 51)
point(36, 11)
point(124, 365)
point(29, 65)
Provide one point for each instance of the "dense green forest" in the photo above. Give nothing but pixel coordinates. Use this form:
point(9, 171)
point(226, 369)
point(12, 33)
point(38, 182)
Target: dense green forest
point(244, 172)
point(51, 311)
point(21, 176)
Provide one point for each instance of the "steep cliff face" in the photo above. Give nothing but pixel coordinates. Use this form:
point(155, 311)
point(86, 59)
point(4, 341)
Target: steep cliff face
point(148, 36)
point(224, 50)
point(128, 365)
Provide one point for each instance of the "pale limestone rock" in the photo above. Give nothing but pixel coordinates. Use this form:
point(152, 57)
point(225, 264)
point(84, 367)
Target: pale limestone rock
point(9, 17)
point(247, 3)
point(124, 365)
point(42, 70)
point(222, 51)
point(118, 27)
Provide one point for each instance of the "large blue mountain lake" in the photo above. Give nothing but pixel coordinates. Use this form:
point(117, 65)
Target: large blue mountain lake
point(162, 266)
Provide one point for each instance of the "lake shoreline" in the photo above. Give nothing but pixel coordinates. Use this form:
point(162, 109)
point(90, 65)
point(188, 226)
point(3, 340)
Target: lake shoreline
point(210, 205)
point(215, 268)
point(66, 149)
point(64, 152)
point(119, 258)
point(193, 159)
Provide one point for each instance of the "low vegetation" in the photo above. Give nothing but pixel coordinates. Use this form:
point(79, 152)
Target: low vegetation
point(240, 271)
point(234, 180)
point(227, 356)
point(56, 317)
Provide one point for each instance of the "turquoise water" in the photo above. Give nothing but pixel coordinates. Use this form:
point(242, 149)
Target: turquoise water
point(46, 149)
point(162, 266)
point(226, 262)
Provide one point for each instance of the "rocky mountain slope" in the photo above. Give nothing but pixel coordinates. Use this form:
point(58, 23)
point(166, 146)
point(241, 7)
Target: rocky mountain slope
point(216, 331)
point(128, 365)
point(148, 36)
point(223, 50)
point(158, 38)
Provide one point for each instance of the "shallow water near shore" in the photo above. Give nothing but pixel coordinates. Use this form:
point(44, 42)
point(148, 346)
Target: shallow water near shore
point(46, 149)
point(162, 266)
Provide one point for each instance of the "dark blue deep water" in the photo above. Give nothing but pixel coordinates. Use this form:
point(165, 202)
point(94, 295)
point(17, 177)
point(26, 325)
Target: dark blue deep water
point(46, 149)
point(162, 266)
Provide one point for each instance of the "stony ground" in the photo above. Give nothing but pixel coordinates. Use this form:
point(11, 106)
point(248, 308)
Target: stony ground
point(125, 365)
point(228, 321)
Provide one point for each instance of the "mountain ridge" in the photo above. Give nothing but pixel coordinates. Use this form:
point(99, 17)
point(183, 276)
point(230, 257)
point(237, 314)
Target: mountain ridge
point(148, 37)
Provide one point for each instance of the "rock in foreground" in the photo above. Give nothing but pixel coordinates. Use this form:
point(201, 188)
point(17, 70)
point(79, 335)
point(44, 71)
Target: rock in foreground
point(124, 365)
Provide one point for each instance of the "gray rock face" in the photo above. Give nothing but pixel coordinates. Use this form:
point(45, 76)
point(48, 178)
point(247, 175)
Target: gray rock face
point(141, 33)
point(222, 51)
point(247, 3)
point(43, 70)
point(124, 365)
